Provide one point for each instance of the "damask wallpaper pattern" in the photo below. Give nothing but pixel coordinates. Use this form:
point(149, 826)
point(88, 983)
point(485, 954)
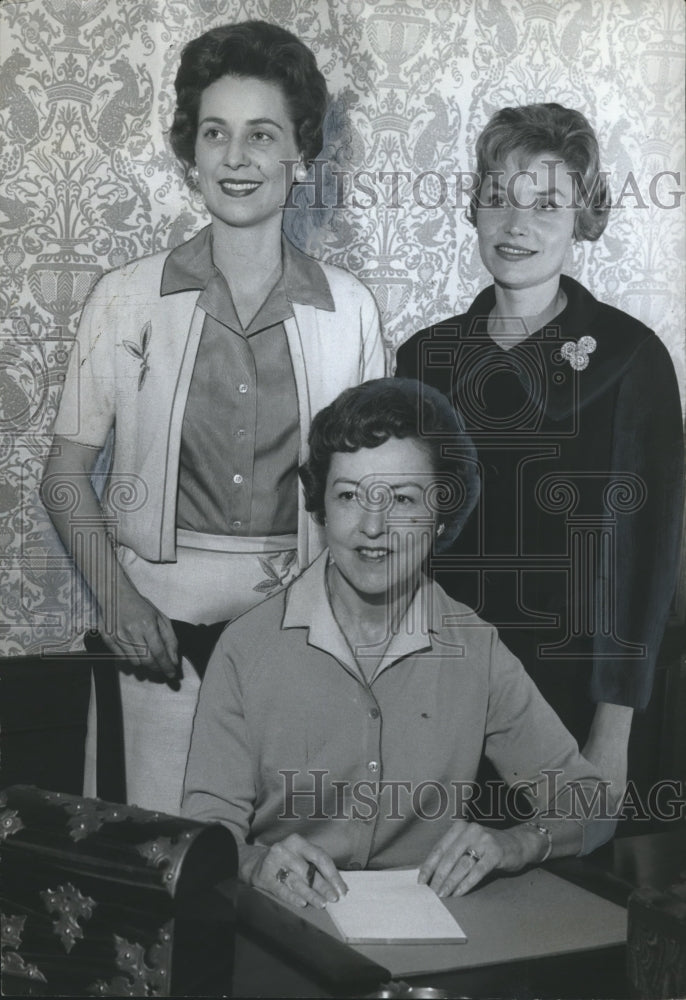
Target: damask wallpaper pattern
point(88, 181)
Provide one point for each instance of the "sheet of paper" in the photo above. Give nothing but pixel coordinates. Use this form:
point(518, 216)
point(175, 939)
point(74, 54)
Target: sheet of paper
point(390, 907)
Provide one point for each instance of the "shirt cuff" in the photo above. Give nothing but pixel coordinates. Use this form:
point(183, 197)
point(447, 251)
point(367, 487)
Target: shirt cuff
point(596, 832)
point(249, 855)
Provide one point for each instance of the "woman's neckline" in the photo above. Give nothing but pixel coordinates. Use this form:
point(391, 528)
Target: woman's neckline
point(342, 616)
point(387, 620)
point(247, 301)
point(508, 332)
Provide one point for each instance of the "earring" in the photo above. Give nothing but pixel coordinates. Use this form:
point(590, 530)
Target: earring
point(194, 174)
point(300, 172)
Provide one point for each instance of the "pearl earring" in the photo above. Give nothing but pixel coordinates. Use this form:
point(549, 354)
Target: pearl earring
point(194, 174)
point(300, 172)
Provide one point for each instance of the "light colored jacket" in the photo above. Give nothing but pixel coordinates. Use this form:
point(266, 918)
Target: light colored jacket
point(131, 366)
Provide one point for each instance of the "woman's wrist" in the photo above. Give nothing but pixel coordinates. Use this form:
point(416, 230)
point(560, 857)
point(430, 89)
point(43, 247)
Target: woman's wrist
point(544, 839)
point(531, 844)
point(115, 591)
point(250, 857)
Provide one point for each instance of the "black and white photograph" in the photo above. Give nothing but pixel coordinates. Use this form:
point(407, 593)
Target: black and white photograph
point(342, 549)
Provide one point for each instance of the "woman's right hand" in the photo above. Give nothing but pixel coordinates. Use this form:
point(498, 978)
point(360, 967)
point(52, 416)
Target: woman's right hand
point(130, 626)
point(135, 629)
point(283, 871)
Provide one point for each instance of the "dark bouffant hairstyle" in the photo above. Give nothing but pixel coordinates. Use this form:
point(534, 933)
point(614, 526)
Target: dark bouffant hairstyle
point(368, 415)
point(533, 129)
point(250, 48)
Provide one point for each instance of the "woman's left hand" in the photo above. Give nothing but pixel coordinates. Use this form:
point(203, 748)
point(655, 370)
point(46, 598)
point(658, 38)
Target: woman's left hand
point(468, 852)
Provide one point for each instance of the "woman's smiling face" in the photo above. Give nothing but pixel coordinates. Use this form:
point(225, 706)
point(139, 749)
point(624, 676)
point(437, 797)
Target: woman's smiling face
point(379, 526)
point(525, 222)
point(244, 132)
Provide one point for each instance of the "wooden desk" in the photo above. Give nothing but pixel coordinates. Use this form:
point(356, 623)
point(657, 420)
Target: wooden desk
point(278, 954)
point(652, 861)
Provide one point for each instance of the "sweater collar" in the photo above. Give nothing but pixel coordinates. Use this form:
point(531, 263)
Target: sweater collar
point(578, 313)
point(539, 361)
point(307, 606)
point(190, 266)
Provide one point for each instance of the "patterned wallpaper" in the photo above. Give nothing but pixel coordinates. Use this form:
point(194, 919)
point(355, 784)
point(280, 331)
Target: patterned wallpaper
point(87, 181)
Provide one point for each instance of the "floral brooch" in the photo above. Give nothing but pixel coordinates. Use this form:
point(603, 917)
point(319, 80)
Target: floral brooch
point(577, 353)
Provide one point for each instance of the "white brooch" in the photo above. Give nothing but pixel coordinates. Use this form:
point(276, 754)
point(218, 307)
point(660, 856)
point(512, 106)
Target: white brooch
point(577, 354)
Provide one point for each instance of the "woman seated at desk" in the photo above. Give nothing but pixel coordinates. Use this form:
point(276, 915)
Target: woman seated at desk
point(341, 722)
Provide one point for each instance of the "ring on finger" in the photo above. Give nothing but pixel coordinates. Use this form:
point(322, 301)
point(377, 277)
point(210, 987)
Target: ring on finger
point(282, 875)
point(474, 855)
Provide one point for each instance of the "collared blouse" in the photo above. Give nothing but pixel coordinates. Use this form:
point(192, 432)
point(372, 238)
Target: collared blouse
point(238, 466)
point(131, 367)
point(289, 737)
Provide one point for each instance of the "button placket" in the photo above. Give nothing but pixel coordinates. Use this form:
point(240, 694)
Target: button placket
point(244, 436)
point(240, 434)
point(367, 825)
point(373, 712)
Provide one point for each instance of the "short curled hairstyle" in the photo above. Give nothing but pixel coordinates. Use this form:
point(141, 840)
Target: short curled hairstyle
point(533, 129)
point(368, 415)
point(257, 49)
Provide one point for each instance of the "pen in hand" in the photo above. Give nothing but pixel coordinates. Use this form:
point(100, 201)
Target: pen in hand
point(311, 872)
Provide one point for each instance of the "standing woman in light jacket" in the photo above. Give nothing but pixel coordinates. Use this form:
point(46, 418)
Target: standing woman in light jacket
point(208, 361)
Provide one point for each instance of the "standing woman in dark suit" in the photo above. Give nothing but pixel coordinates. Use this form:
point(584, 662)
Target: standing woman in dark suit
point(207, 363)
point(574, 408)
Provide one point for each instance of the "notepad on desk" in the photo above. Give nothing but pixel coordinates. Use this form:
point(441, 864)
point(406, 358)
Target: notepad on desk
point(391, 907)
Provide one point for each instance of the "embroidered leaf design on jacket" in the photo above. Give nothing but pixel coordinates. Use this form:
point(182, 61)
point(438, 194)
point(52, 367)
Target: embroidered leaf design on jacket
point(276, 577)
point(145, 336)
point(268, 568)
point(141, 352)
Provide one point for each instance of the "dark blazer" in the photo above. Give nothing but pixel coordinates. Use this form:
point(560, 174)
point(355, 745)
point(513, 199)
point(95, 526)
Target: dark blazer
point(573, 548)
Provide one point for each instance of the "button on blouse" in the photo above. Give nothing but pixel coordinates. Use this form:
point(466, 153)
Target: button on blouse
point(240, 434)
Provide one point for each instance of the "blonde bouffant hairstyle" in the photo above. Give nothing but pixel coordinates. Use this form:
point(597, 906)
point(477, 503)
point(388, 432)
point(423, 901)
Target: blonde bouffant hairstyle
point(532, 129)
